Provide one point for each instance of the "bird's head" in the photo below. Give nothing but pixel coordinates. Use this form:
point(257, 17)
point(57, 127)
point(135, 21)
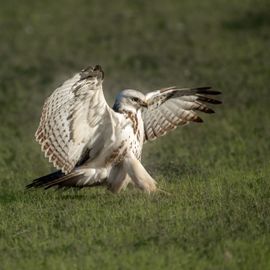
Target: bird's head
point(130, 100)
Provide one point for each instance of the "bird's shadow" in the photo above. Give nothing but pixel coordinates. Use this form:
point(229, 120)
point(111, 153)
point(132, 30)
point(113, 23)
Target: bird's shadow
point(76, 194)
point(73, 197)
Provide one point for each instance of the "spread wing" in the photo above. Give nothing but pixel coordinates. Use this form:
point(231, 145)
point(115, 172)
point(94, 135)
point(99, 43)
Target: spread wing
point(73, 120)
point(172, 107)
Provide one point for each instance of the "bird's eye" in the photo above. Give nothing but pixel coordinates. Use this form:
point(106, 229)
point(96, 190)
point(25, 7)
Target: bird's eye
point(135, 99)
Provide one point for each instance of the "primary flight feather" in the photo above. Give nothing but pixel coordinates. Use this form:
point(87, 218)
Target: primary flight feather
point(92, 144)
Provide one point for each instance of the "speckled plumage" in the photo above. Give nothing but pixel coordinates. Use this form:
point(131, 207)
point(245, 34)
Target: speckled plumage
point(93, 144)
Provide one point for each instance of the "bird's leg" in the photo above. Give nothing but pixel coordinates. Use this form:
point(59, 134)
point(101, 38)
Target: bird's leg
point(117, 179)
point(119, 184)
point(140, 177)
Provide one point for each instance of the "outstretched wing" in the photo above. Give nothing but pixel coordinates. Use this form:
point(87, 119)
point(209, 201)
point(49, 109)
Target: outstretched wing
point(171, 107)
point(73, 120)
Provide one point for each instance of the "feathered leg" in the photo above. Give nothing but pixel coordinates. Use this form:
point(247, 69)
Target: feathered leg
point(118, 178)
point(141, 178)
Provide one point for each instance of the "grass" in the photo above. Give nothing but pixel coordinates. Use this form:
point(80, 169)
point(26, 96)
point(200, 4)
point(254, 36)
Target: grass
point(218, 213)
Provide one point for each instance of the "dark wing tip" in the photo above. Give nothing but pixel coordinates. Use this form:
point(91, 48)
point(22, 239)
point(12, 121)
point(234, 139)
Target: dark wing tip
point(98, 68)
point(208, 110)
point(214, 92)
point(197, 119)
point(90, 72)
point(209, 100)
point(202, 88)
point(206, 91)
point(216, 101)
point(87, 69)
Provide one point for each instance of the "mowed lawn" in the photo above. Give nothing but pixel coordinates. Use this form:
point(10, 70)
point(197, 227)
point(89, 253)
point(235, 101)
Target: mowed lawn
point(218, 213)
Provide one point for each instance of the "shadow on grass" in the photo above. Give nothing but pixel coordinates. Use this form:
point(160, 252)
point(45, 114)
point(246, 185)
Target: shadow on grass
point(174, 170)
point(80, 194)
point(76, 197)
point(8, 198)
point(251, 20)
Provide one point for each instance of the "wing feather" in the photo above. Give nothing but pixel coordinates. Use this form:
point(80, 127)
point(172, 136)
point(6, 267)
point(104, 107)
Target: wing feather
point(171, 107)
point(73, 118)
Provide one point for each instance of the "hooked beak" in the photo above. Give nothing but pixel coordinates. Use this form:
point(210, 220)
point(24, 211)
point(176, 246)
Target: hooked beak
point(144, 104)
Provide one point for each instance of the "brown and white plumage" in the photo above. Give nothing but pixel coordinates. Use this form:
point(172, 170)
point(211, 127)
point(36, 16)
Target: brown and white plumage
point(92, 144)
point(74, 117)
point(172, 107)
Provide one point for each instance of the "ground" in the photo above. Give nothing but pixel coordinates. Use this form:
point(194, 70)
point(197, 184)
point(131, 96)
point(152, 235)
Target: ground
point(218, 213)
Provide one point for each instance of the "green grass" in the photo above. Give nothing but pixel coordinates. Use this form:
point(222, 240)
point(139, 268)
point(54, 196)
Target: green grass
point(218, 213)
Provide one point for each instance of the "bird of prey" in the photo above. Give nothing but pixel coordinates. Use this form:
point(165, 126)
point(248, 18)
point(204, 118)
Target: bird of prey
point(92, 144)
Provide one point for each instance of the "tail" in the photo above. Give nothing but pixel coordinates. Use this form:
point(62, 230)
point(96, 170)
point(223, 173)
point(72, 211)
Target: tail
point(77, 178)
point(141, 178)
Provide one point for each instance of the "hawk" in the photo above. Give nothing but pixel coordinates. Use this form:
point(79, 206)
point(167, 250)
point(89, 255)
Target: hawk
point(92, 144)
